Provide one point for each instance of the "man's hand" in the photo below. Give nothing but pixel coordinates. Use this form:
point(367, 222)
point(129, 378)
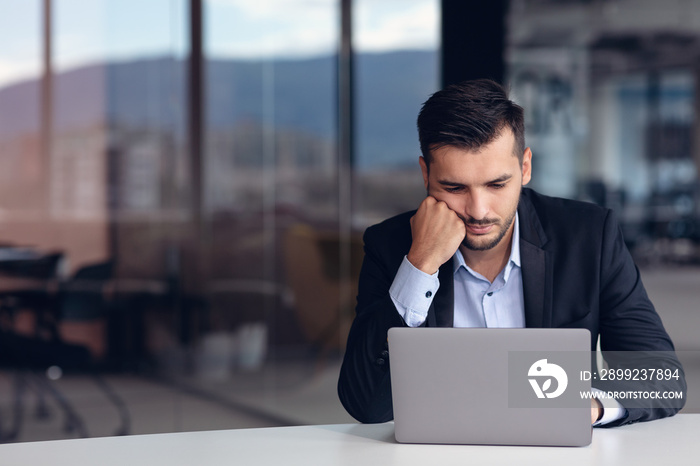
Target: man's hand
point(596, 410)
point(437, 233)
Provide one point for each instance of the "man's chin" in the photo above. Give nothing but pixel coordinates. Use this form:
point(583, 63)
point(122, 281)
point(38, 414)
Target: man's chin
point(481, 242)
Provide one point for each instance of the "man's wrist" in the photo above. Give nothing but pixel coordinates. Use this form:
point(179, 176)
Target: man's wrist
point(424, 265)
point(598, 410)
point(412, 292)
point(611, 410)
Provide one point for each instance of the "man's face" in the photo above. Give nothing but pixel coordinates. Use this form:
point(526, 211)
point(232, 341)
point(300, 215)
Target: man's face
point(482, 187)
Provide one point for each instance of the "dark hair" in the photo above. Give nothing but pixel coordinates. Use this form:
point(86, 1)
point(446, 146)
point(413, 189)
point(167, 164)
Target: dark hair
point(469, 115)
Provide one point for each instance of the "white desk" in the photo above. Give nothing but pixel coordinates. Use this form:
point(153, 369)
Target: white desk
point(667, 441)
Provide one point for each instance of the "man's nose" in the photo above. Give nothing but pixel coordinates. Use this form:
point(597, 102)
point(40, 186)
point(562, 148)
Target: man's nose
point(476, 206)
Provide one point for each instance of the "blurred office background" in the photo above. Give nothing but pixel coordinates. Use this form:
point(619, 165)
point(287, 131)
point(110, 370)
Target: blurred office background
point(184, 184)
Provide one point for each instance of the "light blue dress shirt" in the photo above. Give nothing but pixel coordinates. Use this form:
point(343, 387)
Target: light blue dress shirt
point(477, 302)
point(480, 303)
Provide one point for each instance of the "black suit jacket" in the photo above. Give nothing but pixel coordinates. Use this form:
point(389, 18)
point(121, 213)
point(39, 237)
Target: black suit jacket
point(577, 273)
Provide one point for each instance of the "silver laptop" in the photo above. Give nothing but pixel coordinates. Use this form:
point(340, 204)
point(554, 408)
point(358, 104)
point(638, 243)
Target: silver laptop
point(491, 386)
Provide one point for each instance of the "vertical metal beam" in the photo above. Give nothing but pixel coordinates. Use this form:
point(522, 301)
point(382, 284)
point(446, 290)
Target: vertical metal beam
point(46, 110)
point(269, 197)
point(654, 133)
point(473, 40)
point(346, 92)
point(345, 151)
point(195, 114)
point(195, 128)
point(695, 127)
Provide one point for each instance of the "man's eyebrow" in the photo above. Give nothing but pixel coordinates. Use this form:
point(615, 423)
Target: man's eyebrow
point(501, 179)
point(450, 183)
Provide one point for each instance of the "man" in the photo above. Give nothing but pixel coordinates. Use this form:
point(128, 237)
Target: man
point(482, 251)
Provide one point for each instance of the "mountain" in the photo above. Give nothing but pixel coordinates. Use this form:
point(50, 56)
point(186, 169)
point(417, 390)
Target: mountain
point(295, 95)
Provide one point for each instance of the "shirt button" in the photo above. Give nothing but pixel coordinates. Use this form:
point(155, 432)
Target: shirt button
point(428, 294)
point(490, 293)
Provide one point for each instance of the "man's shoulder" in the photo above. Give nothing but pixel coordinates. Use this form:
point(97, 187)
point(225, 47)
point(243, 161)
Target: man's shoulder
point(549, 207)
point(555, 216)
point(395, 231)
point(397, 223)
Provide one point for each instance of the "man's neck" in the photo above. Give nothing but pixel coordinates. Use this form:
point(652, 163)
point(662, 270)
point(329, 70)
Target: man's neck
point(490, 263)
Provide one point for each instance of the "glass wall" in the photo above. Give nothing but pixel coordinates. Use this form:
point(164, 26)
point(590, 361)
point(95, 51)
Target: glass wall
point(610, 95)
point(271, 197)
point(206, 266)
point(397, 47)
point(93, 107)
point(21, 64)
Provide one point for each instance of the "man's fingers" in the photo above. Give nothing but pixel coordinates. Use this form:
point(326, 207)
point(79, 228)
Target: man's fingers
point(437, 232)
point(427, 203)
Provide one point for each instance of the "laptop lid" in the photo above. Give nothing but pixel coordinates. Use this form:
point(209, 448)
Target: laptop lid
point(490, 386)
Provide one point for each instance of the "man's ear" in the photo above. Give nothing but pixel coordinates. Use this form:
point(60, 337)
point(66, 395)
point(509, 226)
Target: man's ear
point(424, 169)
point(526, 167)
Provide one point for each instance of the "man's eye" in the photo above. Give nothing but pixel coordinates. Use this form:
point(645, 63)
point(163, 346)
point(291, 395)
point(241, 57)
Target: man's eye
point(498, 185)
point(453, 190)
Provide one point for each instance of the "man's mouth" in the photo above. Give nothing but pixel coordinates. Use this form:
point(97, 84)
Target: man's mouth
point(479, 229)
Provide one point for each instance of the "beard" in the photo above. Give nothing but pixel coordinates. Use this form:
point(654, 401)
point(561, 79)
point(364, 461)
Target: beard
point(502, 227)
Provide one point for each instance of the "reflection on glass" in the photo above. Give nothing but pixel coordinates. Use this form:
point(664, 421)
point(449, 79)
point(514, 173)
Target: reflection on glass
point(271, 106)
point(611, 100)
point(271, 191)
point(249, 303)
point(118, 124)
point(396, 69)
point(20, 41)
point(20, 101)
point(123, 97)
point(610, 113)
point(92, 170)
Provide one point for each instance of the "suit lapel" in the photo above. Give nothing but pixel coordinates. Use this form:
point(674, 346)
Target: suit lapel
point(441, 312)
point(536, 270)
point(533, 263)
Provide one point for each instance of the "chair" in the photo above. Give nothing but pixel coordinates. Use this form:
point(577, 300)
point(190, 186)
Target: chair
point(313, 272)
point(33, 357)
point(84, 305)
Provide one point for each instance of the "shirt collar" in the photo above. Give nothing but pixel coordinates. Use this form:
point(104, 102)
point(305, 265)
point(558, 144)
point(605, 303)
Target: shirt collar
point(514, 259)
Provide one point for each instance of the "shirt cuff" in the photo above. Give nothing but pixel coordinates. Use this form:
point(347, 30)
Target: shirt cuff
point(612, 409)
point(412, 293)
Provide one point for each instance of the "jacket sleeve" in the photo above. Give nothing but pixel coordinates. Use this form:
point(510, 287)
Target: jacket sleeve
point(364, 385)
point(632, 335)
